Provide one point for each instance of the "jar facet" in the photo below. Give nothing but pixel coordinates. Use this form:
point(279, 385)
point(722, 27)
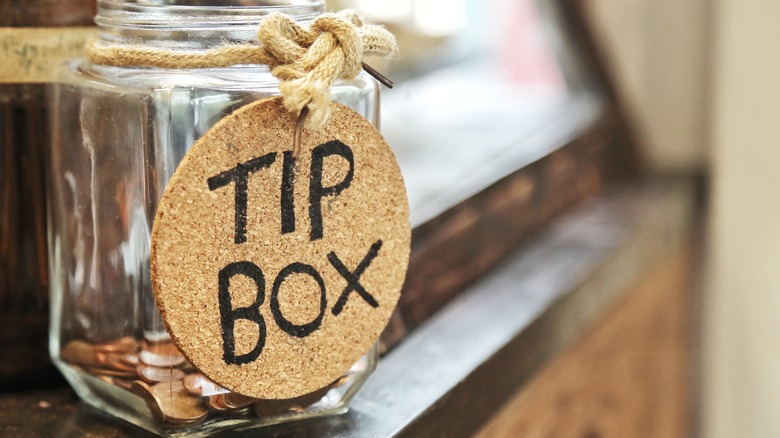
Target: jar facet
point(118, 136)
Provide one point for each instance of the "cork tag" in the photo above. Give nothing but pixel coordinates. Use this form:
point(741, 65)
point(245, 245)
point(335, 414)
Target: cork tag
point(275, 274)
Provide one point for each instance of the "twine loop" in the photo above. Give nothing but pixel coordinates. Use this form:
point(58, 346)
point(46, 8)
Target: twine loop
point(306, 61)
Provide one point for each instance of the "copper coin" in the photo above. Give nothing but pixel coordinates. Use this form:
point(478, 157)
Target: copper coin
point(141, 389)
point(100, 371)
point(125, 384)
point(125, 345)
point(130, 359)
point(235, 401)
point(115, 361)
point(152, 375)
point(166, 347)
point(200, 385)
point(179, 406)
point(216, 403)
point(79, 352)
point(238, 412)
point(163, 354)
point(101, 358)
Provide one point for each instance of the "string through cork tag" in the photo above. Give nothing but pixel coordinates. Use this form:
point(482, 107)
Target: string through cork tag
point(296, 150)
point(307, 61)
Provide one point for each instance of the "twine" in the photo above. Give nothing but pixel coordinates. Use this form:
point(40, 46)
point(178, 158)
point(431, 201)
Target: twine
point(306, 61)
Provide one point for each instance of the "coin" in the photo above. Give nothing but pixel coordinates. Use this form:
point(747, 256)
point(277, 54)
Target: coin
point(240, 412)
point(130, 360)
point(199, 385)
point(161, 361)
point(141, 389)
point(100, 371)
point(162, 354)
point(125, 384)
point(100, 357)
point(152, 375)
point(236, 401)
point(216, 404)
point(125, 344)
point(117, 362)
point(79, 352)
point(179, 406)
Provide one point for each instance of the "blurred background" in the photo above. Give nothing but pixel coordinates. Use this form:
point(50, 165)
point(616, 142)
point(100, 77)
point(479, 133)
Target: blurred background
point(696, 74)
point(697, 80)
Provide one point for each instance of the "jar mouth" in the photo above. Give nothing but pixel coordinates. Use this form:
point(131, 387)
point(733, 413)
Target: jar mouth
point(190, 14)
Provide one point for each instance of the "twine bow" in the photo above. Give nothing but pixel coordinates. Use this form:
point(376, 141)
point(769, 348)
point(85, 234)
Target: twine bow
point(306, 61)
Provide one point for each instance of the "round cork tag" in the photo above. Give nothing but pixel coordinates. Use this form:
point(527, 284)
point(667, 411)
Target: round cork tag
point(274, 275)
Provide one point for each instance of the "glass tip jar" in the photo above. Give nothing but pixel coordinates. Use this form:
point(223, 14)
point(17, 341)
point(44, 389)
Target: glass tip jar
point(117, 137)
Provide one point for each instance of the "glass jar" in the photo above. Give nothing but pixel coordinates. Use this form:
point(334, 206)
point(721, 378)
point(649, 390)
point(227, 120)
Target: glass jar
point(118, 136)
point(34, 36)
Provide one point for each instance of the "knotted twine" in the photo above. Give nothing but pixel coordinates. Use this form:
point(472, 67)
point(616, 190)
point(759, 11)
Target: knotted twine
point(306, 61)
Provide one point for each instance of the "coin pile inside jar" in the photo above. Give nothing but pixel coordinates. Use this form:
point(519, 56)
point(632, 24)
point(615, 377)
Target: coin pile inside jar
point(172, 389)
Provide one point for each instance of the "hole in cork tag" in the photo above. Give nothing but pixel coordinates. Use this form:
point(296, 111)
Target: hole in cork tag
point(296, 152)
